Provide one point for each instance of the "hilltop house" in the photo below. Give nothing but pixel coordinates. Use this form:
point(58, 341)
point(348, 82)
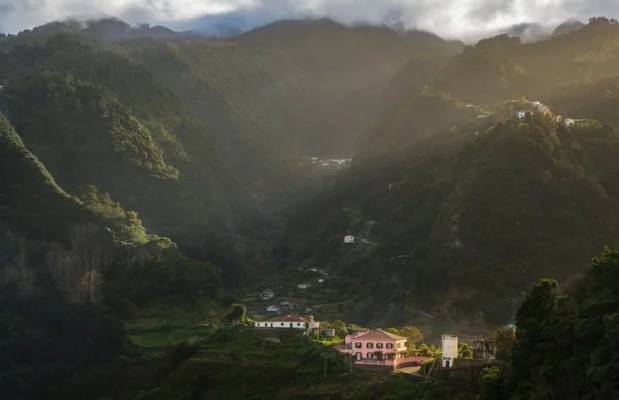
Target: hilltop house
point(378, 348)
point(349, 239)
point(266, 294)
point(290, 322)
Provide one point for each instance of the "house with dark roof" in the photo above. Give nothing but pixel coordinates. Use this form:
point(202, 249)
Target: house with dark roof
point(378, 347)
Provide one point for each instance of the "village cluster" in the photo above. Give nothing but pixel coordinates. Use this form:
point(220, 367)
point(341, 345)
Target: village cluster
point(373, 347)
point(365, 347)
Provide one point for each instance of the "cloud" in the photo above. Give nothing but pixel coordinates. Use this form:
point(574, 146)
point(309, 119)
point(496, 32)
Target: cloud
point(450, 18)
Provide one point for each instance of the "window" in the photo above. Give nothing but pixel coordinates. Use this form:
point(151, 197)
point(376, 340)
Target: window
point(358, 345)
point(379, 345)
point(298, 324)
point(282, 324)
point(370, 355)
point(390, 345)
point(369, 345)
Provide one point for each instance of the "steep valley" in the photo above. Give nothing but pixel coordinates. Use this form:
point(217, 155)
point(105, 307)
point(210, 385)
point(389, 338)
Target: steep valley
point(381, 178)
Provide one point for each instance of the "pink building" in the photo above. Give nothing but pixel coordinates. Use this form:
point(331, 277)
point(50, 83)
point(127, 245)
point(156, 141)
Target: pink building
point(378, 348)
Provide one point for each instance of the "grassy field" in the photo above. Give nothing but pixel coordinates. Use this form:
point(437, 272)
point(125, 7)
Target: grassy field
point(153, 330)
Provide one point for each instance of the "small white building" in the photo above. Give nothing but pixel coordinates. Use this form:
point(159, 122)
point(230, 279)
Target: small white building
point(267, 294)
point(349, 239)
point(569, 121)
point(321, 280)
point(314, 269)
point(449, 349)
point(521, 114)
point(273, 309)
point(290, 321)
point(303, 286)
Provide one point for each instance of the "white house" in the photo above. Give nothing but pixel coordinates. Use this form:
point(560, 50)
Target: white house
point(569, 121)
point(267, 294)
point(290, 321)
point(273, 308)
point(349, 239)
point(314, 269)
point(321, 280)
point(521, 114)
point(303, 285)
point(449, 348)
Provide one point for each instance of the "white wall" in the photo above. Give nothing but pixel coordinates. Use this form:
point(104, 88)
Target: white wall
point(286, 324)
point(449, 348)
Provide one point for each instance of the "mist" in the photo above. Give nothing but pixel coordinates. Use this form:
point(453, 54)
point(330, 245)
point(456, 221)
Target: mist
point(451, 19)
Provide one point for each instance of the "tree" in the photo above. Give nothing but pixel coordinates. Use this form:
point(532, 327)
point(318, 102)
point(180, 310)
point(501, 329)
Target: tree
point(78, 271)
point(504, 339)
point(237, 313)
point(340, 328)
point(465, 350)
point(412, 333)
point(395, 331)
point(533, 321)
point(492, 384)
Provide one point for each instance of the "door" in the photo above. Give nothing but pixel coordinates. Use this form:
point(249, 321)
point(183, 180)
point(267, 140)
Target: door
point(447, 363)
point(358, 356)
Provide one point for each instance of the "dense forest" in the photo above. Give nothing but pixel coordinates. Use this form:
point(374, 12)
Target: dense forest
point(144, 169)
point(467, 201)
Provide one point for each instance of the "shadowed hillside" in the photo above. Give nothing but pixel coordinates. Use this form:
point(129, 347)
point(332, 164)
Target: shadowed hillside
point(468, 203)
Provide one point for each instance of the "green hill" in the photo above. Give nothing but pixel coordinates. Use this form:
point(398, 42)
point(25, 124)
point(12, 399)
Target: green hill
point(478, 216)
point(110, 123)
point(460, 206)
point(307, 87)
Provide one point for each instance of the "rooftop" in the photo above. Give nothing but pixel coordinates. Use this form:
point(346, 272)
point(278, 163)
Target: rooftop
point(379, 334)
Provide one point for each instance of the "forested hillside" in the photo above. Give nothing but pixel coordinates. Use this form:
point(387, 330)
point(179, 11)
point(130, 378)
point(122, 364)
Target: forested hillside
point(71, 268)
point(144, 170)
point(461, 202)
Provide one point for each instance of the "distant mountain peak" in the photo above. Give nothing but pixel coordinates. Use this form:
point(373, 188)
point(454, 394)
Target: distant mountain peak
point(568, 26)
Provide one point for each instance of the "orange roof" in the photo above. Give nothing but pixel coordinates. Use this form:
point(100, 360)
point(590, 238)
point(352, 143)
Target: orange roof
point(379, 334)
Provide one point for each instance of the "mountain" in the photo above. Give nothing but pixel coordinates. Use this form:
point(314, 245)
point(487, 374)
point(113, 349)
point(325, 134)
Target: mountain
point(460, 202)
point(503, 68)
point(184, 130)
point(109, 29)
point(278, 88)
point(567, 27)
point(111, 124)
point(299, 88)
point(527, 31)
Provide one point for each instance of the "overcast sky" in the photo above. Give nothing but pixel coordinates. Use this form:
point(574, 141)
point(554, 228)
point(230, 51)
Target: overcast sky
point(449, 18)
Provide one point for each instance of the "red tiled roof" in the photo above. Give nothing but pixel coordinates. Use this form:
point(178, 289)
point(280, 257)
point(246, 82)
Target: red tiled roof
point(293, 318)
